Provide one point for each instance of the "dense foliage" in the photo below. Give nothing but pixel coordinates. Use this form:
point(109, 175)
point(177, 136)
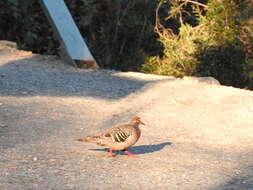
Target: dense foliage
point(118, 32)
point(168, 37)
point(25, 23)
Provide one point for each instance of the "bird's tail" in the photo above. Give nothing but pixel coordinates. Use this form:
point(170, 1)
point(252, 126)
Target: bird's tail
point(88, 139)
point(82, 140)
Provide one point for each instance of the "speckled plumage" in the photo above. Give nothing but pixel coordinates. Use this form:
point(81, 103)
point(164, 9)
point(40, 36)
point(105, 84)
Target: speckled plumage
point(119, 137)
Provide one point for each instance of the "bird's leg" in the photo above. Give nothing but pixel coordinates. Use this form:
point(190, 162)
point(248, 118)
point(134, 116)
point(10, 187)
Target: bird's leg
point(129, 154)
point(110, 153)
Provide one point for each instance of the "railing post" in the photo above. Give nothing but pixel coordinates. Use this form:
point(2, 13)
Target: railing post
point(73, 47)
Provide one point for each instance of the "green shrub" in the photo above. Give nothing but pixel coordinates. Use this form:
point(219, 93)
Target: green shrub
point(177, 59)
point(223, 55)
point(215, 46)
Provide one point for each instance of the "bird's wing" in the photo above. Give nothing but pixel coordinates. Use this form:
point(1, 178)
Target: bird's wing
point(112, 136)
point(118, 134)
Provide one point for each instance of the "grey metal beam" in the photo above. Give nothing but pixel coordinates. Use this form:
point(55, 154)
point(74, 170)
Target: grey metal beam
point(73, 46)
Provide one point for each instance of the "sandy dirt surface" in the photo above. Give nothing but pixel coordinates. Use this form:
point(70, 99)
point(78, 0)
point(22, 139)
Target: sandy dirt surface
point(198, 135)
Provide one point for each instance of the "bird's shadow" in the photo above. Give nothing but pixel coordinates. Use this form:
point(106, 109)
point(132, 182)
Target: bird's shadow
point(142, 149)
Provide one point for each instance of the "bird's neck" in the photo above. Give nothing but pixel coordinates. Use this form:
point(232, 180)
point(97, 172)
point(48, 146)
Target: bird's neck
point(138, 130)
point(135, 125)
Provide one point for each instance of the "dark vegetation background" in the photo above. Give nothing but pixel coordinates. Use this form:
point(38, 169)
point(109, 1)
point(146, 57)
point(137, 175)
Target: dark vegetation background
point(168, 37)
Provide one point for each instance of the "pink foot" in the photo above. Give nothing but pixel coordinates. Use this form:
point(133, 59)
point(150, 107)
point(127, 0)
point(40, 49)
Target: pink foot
point(129, 154)
point(109, 154)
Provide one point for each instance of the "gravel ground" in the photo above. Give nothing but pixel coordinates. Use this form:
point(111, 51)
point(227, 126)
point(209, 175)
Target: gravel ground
point(198, 135)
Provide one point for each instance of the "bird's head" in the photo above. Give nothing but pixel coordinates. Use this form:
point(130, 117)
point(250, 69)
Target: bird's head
point(137, 120)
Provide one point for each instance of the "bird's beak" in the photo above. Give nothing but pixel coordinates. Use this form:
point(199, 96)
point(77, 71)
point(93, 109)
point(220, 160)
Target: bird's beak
point(142, 123)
